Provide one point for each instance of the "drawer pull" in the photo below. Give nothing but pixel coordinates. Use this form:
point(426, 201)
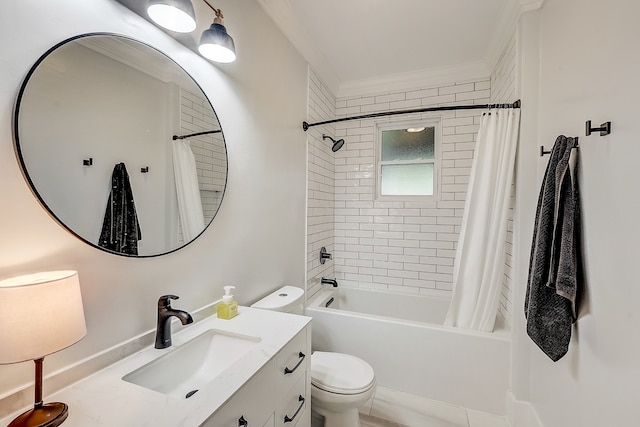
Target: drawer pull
point(286, 417)
point(242, 422)
point(301, 355)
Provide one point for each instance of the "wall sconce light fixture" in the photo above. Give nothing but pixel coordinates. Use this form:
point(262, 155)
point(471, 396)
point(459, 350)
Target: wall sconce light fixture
point(216, 44)
point(40, 314)
point(174, 15)
point(178, 15)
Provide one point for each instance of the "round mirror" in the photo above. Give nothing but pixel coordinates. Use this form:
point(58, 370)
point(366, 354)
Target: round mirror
point(121, 145)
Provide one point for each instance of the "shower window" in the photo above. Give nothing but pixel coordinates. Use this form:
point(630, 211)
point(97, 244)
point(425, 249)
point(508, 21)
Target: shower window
point(408, 160)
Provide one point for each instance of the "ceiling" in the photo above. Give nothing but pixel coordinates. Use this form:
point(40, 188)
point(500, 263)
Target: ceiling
point(361, 46)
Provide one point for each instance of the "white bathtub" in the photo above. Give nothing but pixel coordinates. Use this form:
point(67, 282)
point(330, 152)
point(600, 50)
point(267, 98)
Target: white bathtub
point(403, 338)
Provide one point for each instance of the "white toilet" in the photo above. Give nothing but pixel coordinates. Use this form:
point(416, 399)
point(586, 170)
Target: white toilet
point(340, 383)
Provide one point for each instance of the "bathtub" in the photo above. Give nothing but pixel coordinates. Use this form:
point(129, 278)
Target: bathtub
point(403, 337)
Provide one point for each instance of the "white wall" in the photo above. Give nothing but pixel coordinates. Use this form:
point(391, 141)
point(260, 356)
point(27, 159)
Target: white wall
point(256, 242)
point(580, 61)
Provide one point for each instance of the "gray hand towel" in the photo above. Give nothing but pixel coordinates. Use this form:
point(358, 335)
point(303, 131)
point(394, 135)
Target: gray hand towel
point(554, 265)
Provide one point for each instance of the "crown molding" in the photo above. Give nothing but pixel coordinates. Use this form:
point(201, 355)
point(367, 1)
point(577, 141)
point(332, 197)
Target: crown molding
point(508, 24)
point(436, 76)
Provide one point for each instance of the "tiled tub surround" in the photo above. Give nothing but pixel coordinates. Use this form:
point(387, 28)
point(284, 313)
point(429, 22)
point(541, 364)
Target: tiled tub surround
point(104, 399)
point(503, 89)
point(209, 150)
point(320, 184)
point(403, 338)
point(405, 245)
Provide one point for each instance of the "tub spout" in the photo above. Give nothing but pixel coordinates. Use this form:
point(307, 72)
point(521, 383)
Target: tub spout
point(331, 282)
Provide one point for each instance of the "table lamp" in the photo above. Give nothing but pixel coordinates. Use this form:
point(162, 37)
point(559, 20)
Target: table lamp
point(40, 314)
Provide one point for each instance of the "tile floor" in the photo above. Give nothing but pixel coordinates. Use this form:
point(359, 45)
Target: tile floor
point(389, 408)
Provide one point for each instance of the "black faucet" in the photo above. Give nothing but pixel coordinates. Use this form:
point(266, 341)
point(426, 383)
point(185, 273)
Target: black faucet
point(165, 313)
point(331, 282)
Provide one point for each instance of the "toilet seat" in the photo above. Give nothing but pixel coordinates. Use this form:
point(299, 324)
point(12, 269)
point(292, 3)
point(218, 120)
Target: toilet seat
point(340, 373)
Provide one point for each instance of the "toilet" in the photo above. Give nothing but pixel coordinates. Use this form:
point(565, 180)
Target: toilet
point(340, 383)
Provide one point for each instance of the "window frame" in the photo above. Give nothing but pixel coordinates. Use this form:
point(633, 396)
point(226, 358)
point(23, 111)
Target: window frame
point(434, 122)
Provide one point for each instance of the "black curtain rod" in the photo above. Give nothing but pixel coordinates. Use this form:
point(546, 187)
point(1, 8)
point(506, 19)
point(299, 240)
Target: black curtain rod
point(516, 104)
point(195, 134)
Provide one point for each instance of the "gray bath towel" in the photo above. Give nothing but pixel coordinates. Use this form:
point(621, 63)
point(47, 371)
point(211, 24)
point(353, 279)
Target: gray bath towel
point(555, 266)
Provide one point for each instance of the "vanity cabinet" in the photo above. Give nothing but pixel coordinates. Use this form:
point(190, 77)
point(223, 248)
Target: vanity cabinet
point(278, 395)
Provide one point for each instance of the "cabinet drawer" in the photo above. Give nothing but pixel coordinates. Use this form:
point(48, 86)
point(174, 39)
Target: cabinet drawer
point(292, 363)
point(254, 402)
point(293, 405)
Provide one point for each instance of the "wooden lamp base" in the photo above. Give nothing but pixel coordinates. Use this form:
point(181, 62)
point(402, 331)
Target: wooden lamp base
point(47, 415)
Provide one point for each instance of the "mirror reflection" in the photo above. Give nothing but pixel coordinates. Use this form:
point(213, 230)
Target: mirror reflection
point(120, 145)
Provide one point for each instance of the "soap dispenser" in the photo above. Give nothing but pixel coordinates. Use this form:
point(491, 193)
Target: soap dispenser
point(228, 308)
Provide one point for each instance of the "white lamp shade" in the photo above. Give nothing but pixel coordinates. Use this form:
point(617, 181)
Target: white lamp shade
point(40, 314)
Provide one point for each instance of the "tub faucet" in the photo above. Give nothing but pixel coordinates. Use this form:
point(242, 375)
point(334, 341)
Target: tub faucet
point(331, 282)
point(165, 313)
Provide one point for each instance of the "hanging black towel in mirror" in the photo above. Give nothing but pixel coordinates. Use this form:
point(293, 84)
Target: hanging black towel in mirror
point(120, 228)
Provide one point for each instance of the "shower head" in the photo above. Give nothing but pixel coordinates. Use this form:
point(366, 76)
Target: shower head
point(336, 144)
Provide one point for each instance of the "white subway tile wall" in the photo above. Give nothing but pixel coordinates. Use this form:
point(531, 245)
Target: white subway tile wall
point(320, 184)
point(503, 89)
point(405, 245)
point(196, 115)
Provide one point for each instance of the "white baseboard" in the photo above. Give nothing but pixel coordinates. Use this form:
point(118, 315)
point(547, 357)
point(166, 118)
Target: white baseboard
point(521, 413)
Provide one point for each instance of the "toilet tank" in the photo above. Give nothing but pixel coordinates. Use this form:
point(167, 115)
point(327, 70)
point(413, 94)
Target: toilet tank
point(287, 299)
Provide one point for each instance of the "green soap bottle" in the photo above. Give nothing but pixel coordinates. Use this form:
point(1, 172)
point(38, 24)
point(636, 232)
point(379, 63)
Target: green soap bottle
point(228, 308)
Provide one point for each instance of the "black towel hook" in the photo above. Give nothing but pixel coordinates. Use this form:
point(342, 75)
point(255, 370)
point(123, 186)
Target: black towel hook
point(604, 129)
point(544, 152)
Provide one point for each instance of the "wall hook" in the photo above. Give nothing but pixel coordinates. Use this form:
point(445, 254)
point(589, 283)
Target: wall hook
point(543, 152)
point(88, 162)
point(604, 129)
point(144, 169)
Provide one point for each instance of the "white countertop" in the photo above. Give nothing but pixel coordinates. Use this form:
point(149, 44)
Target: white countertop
point(104, 399)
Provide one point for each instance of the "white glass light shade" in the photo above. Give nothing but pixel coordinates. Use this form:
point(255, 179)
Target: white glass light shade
point(40, 314)
point(217, 45)
point(174, 15)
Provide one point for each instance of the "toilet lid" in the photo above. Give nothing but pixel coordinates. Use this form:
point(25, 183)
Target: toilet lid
point(340, 373)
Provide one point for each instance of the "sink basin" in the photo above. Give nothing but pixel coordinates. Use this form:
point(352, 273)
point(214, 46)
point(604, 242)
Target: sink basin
point(192, 365)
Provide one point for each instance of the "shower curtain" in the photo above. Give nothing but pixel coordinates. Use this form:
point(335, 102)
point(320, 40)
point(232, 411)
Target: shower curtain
point(187, 190)
point(479, 262)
